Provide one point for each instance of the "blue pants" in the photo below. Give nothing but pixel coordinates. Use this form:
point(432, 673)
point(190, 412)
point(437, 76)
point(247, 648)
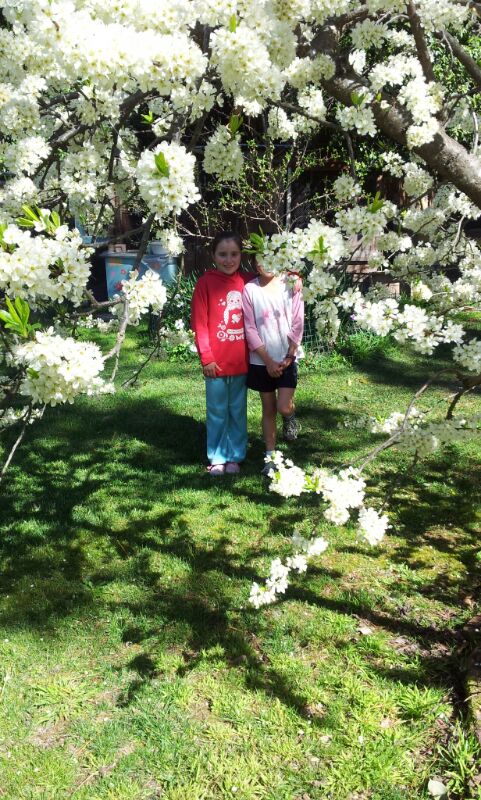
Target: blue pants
point(226, 402)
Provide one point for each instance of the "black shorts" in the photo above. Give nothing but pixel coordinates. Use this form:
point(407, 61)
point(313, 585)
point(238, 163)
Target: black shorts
point(259, 379)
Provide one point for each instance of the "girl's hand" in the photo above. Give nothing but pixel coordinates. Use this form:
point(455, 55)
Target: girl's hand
point(211, 370)
point(274, 368)
point(287, 361)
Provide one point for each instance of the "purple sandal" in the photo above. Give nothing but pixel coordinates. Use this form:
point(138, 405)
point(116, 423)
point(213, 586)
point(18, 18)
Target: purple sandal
point(232, 468)
point(216, 469)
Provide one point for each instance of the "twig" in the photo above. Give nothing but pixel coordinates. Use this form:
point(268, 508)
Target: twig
point(144, 241)
point(468, 385)
point(18, 441)
point(463, 57)
point(115, 351)
point(352, 157)
point(133, 378)
point(396, 436)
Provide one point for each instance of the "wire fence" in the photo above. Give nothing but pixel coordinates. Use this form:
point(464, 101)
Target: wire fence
point(312, 341)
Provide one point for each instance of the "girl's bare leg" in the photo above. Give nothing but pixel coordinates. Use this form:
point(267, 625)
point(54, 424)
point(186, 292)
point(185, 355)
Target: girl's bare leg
point(269, 413)
point(285, 404)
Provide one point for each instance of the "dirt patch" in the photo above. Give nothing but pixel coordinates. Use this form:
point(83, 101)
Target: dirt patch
point(46, 736)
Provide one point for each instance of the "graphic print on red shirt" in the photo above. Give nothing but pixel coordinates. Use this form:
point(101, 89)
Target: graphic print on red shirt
point(218, 321)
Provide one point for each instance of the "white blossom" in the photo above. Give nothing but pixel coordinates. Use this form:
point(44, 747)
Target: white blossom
point(372, 526)
point(172, 190)
point(223, 155)
point(44, 267)
point(148, 291)
point(58, 369)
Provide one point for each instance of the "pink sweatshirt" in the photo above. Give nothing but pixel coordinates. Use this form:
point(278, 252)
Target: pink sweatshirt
point(273, 316)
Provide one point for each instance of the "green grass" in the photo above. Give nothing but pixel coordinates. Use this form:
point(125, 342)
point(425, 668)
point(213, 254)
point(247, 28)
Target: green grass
point(131, 667)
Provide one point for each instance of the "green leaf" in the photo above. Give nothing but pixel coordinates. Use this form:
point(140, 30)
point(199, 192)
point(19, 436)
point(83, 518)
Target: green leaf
point(357, 99)
point(32, 373)
point(23, 222)
point(31, 213)
point(376, 204)
point(257, 241)
point(319, 249)
point(147, 118)
point(161, 164)
point(12, 309)
point(23, 310)
point(17, 316)
point(233, 23)
point(55, 218)
point(12, 325)
point(234, 124)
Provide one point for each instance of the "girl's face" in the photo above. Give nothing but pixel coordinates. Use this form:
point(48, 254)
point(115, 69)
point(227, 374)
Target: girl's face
point(227, 256)
point(262, 272)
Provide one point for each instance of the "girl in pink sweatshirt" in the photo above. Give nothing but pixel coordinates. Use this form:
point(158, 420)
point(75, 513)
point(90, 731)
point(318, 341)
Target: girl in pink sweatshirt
point(274, 324)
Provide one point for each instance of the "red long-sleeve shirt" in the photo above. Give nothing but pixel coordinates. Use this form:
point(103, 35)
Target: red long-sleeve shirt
point(218, 321)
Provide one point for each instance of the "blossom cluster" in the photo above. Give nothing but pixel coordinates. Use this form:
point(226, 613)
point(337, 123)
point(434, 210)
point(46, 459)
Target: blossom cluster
point(421, 99)
point(223, 155)
point(172, 241)
point(359, 117)
point(178, 336)
point(319, 244)
point(364, 220)
point(171, 188)
point(100, 324)
point(10, 416)
point(342, 493)
point(415, 434)
point(245, 67)
point(43, 267)
point(142, 294)
point(346, 188)
point(278, 580)
point(410, 323)
point(58, 369)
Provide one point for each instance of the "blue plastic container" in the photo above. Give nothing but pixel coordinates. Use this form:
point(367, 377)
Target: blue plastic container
point(118, 267)
point(164, 266)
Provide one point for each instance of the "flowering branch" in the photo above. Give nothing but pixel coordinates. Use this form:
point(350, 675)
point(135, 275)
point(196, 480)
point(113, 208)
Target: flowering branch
point(419, 38)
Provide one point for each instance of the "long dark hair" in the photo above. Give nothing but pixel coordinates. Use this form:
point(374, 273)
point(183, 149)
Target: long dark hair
point(223, 235)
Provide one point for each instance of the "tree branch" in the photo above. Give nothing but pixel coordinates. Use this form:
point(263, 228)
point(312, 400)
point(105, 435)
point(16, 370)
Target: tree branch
point(421, 45)
point(468, 384)
point(470, 65)
point(298, 110)
point(144, 241)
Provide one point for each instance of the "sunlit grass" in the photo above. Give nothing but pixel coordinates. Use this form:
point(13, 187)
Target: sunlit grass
point(130, 664)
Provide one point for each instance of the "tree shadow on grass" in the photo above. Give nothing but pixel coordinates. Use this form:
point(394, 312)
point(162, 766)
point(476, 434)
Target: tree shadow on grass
point(397, 372)
point(135, 453)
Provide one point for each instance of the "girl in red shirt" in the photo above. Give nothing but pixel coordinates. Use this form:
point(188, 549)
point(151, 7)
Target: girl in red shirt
point(218, 325)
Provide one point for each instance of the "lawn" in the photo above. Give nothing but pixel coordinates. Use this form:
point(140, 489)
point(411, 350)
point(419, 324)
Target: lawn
point(131, 666)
